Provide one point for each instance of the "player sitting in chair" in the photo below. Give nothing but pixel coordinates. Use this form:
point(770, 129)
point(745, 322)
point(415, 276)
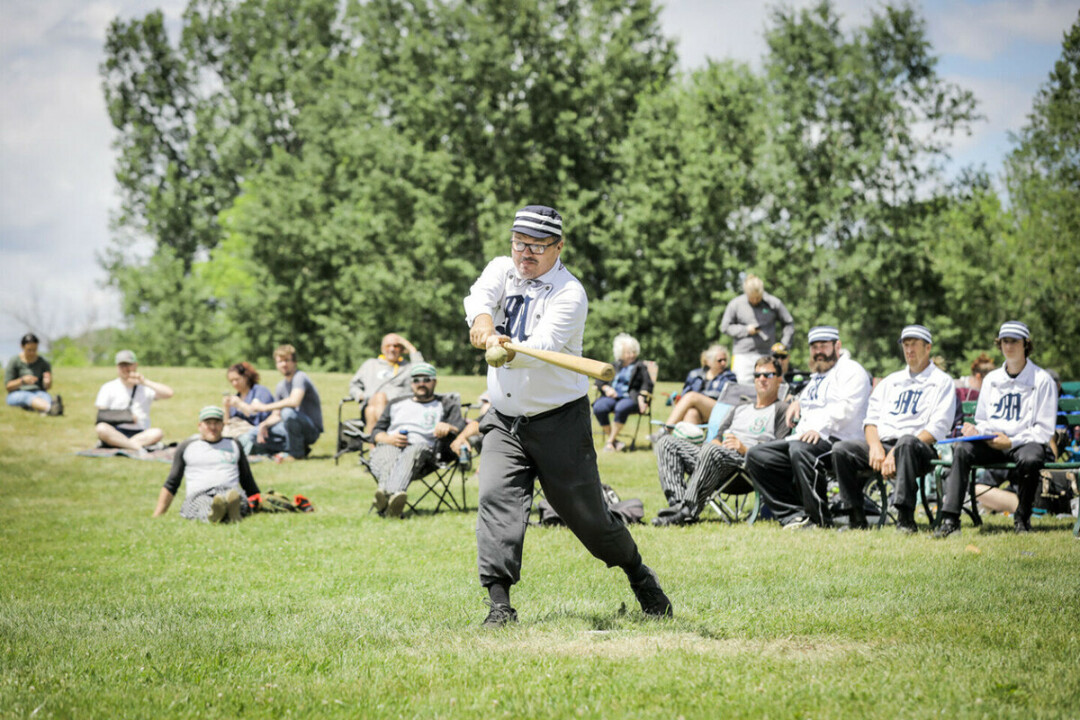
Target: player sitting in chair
point(909, 411)
point(715, 462)
point(1017, 406)
point(406, 436)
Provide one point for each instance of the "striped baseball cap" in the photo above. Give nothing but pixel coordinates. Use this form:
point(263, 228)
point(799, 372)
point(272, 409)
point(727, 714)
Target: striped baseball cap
point(1014, 329)
point(211, 412)
point(822, 333)
point(422, 370)
point(538, 221)
point(918, 332)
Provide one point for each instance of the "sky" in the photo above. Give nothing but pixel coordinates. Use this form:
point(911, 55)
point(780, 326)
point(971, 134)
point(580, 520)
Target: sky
point(57, 191)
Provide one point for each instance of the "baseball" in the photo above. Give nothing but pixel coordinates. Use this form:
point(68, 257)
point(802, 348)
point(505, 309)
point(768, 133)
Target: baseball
point(496, 356)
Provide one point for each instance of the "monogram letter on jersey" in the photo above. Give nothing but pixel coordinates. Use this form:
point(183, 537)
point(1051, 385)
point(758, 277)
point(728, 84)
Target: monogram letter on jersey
point(907, 403)
point(1007, 408)
point(517, 312)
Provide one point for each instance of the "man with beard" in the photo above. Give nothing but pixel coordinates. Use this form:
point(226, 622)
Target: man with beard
point(831, 408)
point(406, 436)
point(909, 411)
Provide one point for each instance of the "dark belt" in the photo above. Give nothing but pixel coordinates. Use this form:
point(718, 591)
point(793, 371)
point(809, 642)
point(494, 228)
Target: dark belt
point(517, 421)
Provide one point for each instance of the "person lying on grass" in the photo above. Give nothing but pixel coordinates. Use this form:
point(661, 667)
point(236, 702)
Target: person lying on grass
point(219, 479)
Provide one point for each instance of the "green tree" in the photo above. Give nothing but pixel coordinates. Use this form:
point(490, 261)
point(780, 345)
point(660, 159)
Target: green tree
point(858, 130)
point(1043, 178)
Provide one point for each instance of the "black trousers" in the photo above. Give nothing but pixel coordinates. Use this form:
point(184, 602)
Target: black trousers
point(784, 474)
point(555, 447)
point(1029, 459)
point(851, 463)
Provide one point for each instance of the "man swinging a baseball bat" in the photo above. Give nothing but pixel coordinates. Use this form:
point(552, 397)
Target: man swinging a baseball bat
point(541, 427)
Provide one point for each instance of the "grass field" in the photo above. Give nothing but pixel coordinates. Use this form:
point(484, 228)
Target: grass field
point(105, 612)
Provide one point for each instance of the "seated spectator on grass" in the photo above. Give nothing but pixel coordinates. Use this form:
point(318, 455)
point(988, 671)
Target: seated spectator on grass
point(130, 391)
point(219, 479)
point(696, 406)
point(832, 407)
point(295, 421)
point(407, 437)
point(242, 419)
point(28, 377)
point(712, 464)
point(1017, 405)
point(909, 411)
point(385, 378)
point(626, 394)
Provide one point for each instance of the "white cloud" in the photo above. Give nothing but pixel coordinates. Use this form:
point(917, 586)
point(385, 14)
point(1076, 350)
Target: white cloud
point(982, 31)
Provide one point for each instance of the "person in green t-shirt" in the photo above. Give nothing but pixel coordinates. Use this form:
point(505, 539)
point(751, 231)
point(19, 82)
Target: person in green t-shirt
point(28, 378)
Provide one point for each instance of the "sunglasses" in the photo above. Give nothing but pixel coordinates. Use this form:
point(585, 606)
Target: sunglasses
point(766, 374)
point(423, 380)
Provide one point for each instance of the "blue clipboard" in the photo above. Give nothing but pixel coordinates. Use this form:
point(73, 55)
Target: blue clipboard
point(969, 438)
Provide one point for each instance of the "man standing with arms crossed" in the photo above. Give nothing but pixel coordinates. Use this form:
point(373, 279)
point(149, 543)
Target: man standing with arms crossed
point(909, 411)
point(540, 426)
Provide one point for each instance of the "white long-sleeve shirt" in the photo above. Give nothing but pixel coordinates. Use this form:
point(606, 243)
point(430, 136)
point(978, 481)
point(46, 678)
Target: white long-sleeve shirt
point(546, 313)
point(1024, 408)
point(834, 402)
point(905, 404)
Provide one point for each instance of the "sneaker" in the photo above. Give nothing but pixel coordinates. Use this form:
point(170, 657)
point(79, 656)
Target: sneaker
point(217, 509)
point(619, 446)
point(947, 527)
point(802, 523)
point(1022, 526)
point(854, 526)
point(499, 616)
point(232, 504)
point(57, 407)
point(396, 505)
point(381, 501)
point(651, 596)
point(155, 447)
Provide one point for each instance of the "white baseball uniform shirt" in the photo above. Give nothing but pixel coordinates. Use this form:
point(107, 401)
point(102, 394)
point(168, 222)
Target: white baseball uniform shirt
point(905, 404)
point(547, 313)
point(834, 402)
point(1024, 408)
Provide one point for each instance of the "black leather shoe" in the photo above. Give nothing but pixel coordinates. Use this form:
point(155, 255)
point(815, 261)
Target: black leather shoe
point(499, 616)
point(1022, 526)
point(651, 596)
point(948, 526)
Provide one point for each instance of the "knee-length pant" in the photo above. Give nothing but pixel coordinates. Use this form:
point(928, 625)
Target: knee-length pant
point(783, 472)
point(556, 448)
point(851, 463)
point(394, 468)
point(707, 466)
point(1029, 459)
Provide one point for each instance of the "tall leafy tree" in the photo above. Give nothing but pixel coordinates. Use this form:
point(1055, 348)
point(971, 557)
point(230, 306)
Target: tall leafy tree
point(859, 130)
point(1043, 177)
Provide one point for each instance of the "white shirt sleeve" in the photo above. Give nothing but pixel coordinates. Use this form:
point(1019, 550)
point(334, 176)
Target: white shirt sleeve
point(486, 294)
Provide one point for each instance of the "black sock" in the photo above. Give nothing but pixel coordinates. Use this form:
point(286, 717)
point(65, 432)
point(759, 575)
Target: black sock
point(499, 594)
point(637, 572)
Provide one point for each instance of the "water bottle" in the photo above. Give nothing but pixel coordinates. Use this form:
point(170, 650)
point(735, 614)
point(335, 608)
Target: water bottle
point(463, 455)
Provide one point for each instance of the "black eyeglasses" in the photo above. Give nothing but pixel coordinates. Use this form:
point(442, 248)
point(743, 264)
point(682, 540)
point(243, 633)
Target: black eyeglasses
point(423, 380)
point(534, 248)
point(766, 374)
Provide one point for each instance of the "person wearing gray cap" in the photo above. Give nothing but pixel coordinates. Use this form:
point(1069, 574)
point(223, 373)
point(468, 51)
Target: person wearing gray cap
point(831, 408)
point(133, 392)
point(540, 427)
point(1018, 406)
point(909, 411)
point(219, 479)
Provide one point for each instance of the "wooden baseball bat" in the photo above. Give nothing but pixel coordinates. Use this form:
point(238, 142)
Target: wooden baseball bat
point(593, 368)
